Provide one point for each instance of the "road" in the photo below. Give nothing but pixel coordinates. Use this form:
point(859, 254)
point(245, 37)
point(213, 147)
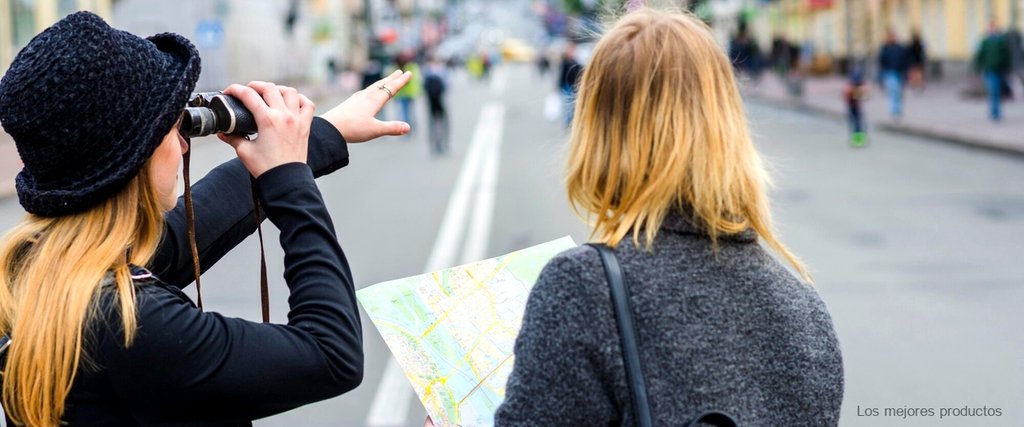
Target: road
point(914, 245)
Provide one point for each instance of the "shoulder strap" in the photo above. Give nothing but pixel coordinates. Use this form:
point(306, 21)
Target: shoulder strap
point(624, 319)
point(630, 350)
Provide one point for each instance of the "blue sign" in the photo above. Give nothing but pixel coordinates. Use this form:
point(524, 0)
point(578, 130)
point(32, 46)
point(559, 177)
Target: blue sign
point(209, 34)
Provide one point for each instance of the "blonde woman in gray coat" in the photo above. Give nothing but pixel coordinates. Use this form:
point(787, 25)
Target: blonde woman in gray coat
point(662, 162)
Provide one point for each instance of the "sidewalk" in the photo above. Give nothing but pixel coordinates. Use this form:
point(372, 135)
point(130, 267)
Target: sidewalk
point(941, 111)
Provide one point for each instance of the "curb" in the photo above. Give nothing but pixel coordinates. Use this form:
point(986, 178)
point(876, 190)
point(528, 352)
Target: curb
point(954, 138)
point(969, 141)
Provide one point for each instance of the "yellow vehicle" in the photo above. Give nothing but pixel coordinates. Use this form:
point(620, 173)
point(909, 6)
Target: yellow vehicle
point(515, 50)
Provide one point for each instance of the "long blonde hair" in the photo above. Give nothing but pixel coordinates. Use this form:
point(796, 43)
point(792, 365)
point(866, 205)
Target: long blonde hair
point(51, 272)
point(659, 126)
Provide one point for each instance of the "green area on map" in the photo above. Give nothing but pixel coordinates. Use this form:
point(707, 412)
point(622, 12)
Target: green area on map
point(453, 331)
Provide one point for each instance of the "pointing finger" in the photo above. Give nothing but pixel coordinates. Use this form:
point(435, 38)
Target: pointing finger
point(377, 84)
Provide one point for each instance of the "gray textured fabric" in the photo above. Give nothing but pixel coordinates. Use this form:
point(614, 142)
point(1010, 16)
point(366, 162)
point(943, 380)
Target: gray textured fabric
point(737, 333)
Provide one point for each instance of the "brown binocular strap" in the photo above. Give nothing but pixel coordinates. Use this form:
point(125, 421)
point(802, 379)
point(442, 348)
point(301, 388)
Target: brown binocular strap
point(190, 218)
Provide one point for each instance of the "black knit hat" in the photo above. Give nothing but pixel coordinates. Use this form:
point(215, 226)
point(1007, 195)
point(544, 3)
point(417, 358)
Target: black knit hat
point(87, 105)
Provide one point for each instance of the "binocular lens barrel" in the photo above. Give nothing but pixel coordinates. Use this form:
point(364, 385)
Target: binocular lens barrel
point(207, 115)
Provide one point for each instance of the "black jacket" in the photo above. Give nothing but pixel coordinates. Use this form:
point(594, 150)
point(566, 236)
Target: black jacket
point(570, 74)
point(893, 57)
point(188, 367)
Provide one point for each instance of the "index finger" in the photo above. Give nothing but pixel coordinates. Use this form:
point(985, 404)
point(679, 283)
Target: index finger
point(252, 100)
point(384, 81)
point(397, 82)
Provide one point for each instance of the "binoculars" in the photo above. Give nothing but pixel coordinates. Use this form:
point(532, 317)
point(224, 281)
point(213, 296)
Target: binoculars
point(208, 113)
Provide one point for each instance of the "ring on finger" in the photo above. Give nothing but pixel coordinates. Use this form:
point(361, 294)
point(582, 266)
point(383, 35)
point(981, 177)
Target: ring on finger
point(384, 88)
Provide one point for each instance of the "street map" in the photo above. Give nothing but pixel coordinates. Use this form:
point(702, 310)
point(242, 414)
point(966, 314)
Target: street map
point(453, 331)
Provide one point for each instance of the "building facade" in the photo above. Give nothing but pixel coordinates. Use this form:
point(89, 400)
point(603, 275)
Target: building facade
point(285, 41)
point(841, 29)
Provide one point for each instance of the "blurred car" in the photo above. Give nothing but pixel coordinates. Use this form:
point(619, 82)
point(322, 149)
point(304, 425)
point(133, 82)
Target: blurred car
point(515, 50)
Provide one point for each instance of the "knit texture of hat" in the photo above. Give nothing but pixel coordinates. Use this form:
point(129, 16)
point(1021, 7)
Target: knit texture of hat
point(87, 105)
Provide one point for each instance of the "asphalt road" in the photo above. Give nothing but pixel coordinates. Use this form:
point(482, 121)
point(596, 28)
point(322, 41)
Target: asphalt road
point(914, 244)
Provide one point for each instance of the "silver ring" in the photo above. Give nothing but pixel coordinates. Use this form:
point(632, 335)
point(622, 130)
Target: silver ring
point(384, 88)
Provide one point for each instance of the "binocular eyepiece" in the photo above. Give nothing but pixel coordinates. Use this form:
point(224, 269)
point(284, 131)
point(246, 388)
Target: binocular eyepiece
point(208, 113)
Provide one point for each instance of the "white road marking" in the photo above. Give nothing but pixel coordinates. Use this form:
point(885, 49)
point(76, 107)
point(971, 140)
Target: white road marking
point(479, 171)
point(483, 211)
point(499, 81)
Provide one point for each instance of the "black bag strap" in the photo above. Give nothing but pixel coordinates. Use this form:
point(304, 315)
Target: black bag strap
point(630, 350)
point(624, 320)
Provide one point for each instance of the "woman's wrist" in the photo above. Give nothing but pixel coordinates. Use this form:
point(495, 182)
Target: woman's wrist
point(278, 181)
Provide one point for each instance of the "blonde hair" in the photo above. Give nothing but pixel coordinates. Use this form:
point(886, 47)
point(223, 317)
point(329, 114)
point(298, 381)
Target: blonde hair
point(51, 272)
point(659, 126)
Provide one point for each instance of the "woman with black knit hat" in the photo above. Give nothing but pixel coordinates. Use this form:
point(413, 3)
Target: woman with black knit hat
point(90, 281)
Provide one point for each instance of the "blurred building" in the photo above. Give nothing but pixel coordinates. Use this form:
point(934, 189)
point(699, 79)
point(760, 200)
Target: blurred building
point(20, 20)
point(289, 41)
point(832, 31)
point(383, 28)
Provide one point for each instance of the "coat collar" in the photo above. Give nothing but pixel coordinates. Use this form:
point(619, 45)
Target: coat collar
point(681, 221)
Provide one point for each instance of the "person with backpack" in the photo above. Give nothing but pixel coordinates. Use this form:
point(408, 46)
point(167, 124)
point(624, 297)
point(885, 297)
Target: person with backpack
point(94, 327)
point(661, 160)
point(435, 84)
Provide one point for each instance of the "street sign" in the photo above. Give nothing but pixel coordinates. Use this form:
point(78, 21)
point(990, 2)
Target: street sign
point(209, 34)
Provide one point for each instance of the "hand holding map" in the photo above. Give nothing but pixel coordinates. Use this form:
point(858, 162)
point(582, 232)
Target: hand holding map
point(453, 331)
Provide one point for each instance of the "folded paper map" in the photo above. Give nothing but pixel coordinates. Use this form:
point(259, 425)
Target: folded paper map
point(453, 331)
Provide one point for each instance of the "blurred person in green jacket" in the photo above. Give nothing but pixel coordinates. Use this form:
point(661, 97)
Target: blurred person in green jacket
point(992, 60)
point(408, 94)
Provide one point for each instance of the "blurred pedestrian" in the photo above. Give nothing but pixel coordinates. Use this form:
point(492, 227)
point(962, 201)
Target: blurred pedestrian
point(486, 63)
point(855, 93)
point(332, 71)
point(568, 76)
point(435, 84)
point(543, 64)
point(780, 55)
point(917, 60)
point(407, 96)
point(662, 161)
point(745, 54)
point(475, 67)
point(1015, 41)
point(372, 72)
point(992, 60)
point(892, 66)
point(91, 304)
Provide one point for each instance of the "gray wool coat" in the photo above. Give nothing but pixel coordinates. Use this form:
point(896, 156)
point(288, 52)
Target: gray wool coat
point(737, 333)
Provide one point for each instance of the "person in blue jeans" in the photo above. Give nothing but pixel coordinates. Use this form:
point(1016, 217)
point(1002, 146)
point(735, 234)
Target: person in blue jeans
point(892, 66)
point(992, 59)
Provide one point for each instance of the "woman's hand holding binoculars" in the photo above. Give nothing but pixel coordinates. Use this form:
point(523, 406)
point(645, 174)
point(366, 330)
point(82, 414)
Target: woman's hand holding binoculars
point(283, 117)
